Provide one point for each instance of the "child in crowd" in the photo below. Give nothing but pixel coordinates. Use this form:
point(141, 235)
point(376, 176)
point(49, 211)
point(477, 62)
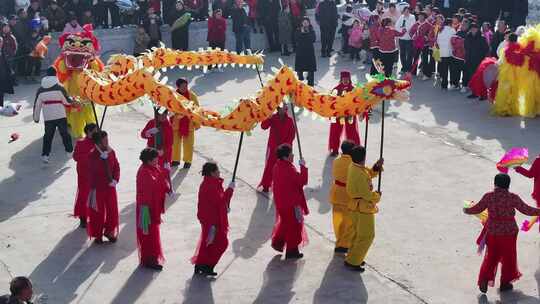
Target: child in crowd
point(356, 40)
point(142, 40)
point(39, 51)
point(457, 62)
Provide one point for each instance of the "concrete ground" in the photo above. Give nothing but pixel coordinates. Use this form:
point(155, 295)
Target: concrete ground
point(440, 149)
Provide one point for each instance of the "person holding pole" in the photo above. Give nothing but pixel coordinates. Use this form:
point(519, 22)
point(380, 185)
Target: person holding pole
point(151, 189)
point(291, 207)
point(103, 203)
point(350, 123)
point(212, 210)
point(83, 148)
point(282, 131)
point(184, 128)
point(159, 135)
point(339, 198)
point(362, 206)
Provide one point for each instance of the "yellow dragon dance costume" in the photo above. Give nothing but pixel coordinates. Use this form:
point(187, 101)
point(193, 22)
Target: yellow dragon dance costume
point(518, 92)
point(78, 53)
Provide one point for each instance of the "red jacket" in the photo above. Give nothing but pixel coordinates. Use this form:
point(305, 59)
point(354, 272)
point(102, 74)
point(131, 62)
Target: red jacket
point(420, 32)
point(281, 131)
point(81, 155)
point(374, 33)
point(98, 172)
point(217, 27)
point(458, 46)
point(387, 39)
point(533, 172)
point(151, 189)
point(213, 202)
point(288, 187)
point(167, 138)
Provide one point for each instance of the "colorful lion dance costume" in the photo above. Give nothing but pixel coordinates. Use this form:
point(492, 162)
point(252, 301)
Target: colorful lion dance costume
point(516, 91)
point(79, 52)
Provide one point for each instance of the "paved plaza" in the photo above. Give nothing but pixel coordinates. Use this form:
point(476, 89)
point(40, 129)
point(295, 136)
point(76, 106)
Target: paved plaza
point(440, 149)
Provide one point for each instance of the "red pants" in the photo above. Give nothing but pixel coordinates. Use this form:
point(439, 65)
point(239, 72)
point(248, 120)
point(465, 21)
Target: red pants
point(105, 219)
point(210, 254)
point(500, 249)
point(336, 131)
point(288, 232)
point(271, 158)
point(150, 246)
point(81, 199)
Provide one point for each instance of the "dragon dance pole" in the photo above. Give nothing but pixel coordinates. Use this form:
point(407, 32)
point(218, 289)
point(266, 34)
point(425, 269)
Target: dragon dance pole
point(102, 117)
point(105, 163)
point(296, 130)
point(366, 131)
point(242, 136)
point(383, 112)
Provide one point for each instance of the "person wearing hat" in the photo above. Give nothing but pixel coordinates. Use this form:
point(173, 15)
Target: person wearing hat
point(349, 123)
point(184, 128)
point(476, 49)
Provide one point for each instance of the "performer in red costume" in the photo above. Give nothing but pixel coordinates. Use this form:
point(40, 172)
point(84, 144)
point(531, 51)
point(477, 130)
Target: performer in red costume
point(534, 173)
point(501, 233)
point(212, 212)
point(281, 132)
point(83, 147)
point(160, 137)
point(290, 202)
point(350, 123)
point(151, 189)
point(103, 203)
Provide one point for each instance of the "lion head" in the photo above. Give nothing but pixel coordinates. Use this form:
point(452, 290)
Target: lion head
point(79, 48)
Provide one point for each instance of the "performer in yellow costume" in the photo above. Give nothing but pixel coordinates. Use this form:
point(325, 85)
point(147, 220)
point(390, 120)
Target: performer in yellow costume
point(184, 128)
point(339, 198)
point(362, 207)
point(78, 53)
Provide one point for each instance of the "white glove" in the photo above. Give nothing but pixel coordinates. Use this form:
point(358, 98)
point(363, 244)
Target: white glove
point(167, 166)
point(211, 235)
point(302, 162)
point(152, 132)
point(113, 183)
point(104, 155)
point(232, 185)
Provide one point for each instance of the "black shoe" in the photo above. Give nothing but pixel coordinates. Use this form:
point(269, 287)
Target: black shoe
point(187, 165)
point(198, 269)
point(111, 238)
point(294, 255)
point(175, 164)
point(82, 222)
point(205, 270)
point(472, 96)
point(354, 267)
point(98, 241)
point(154, 266)
point(341, 250)
point(333, 154)
point(482, 98)
point(483, 287)
point(506, 287)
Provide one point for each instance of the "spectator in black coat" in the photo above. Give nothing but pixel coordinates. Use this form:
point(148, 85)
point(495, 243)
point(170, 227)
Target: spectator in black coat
point(498, 37)
point(179, 22)
point(33, 9)
point(327, 17)
point(56, 16)
point(476, 49)
point(241, 27)
point(77, 7)
point(225, 6)
point(152, 24)
point(269, 13)
point(519, 12)
point(6, 76)
point(21, 30)
point(305, 60)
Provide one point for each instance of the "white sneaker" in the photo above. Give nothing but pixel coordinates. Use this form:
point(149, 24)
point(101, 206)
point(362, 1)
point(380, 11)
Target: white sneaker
point(424, 78)
point(463, 90)
point(45, 159)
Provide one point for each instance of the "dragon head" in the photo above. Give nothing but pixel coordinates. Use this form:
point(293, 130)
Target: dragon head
point(79, 49)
